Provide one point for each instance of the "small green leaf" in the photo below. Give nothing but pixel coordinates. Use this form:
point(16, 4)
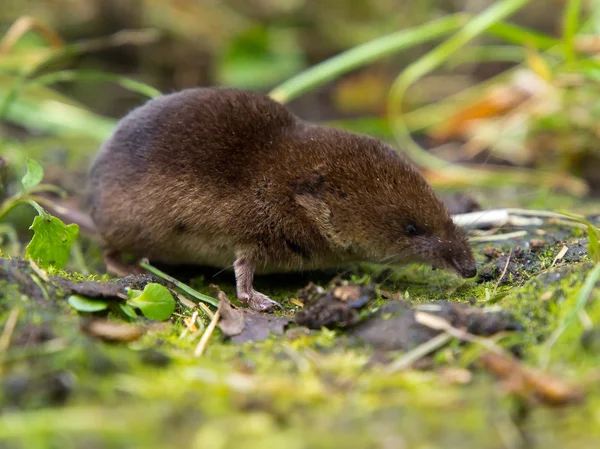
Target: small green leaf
point(84, 304)
point(155, 302)
point(34, 175)
point(51, 242)
point(128, 310)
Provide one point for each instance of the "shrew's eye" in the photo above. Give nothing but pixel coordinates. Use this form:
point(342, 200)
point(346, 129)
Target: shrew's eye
point(411, 229)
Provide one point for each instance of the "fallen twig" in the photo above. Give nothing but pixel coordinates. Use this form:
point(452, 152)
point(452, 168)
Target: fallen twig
point(497, 237)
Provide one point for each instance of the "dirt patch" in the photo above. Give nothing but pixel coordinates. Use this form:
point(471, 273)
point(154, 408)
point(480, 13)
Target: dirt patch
point(520, 263)
point(394, 325)
point(335, 308)
point(510, 267)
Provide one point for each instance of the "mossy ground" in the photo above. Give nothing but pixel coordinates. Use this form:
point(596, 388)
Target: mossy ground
point(62, 388)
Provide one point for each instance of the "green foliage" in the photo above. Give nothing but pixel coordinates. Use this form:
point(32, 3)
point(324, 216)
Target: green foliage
point(84, 304)
point(260, 57)
point(34, 175)
point(155, 302)
point(52, 239)
point(128, 310)
point(51, 242)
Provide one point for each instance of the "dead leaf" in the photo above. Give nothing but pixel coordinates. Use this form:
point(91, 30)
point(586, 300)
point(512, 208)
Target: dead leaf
point(296, 302)
point(108, 290)
point(190, 322)
point(243, 325)
point(496, 102)
point(354, 295)
point(529, 383)
point(112, 331)
point(232, 319)
point(93, 289)
point(327, 312)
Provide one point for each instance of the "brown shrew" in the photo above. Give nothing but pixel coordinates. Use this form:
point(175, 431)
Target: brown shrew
point(220, 176)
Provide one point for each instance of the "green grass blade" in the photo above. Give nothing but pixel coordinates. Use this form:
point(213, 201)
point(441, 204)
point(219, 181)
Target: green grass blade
point(523, 36)
point(97, 77)
point(42, 109)
point(571, 316)
point(442, 52)
point(570, 28)
point(364, 54)
point(593, 236)
point(180, 285)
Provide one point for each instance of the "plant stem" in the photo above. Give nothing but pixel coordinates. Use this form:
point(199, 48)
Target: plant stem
point(180, 285)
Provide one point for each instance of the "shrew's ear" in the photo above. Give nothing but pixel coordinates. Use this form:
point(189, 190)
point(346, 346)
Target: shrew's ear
point(320, 214)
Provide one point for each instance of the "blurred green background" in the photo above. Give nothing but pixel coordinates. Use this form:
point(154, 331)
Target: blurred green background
point(254, 44)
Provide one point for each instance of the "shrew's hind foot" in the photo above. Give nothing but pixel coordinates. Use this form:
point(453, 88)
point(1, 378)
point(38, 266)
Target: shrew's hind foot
point(244, 276)
point(259, 302)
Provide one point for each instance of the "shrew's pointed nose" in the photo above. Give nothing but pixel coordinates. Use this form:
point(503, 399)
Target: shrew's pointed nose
point(470, 271)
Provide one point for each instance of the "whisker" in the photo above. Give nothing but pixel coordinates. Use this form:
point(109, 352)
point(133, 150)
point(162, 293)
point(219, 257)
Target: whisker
point(219, 272)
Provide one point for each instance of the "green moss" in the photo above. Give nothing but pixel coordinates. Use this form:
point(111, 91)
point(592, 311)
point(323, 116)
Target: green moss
point(317, 390)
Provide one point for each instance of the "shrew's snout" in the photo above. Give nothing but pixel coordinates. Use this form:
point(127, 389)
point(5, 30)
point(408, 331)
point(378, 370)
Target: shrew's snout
point(469, 271)
point(460, 259)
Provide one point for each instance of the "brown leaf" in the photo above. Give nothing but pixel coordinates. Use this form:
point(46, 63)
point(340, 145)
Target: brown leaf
point(493, 104)
point(112, 331)
point(232, 319)
point(244, 325)
point(107, 290)
point(527, 382)
point(93, 289)
point(347, 292)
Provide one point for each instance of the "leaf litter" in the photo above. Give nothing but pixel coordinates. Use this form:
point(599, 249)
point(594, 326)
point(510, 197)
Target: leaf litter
point(243, 325)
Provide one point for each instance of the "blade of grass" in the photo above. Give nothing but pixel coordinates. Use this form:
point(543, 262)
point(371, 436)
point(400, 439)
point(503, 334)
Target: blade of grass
point(180, 285)
point(124, 37)
point(97, 77)
point(570, 28)
point(363, 54)
point(593, 236)
point(572, 315)
point(431, 61)
point(522, 36)
point(488, 53)
point(40, 108)
point(434, 59)
point(474, 27)
point(22, 26)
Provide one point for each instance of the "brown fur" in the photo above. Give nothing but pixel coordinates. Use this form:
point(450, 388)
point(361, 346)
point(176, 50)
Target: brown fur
point(214, 175)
